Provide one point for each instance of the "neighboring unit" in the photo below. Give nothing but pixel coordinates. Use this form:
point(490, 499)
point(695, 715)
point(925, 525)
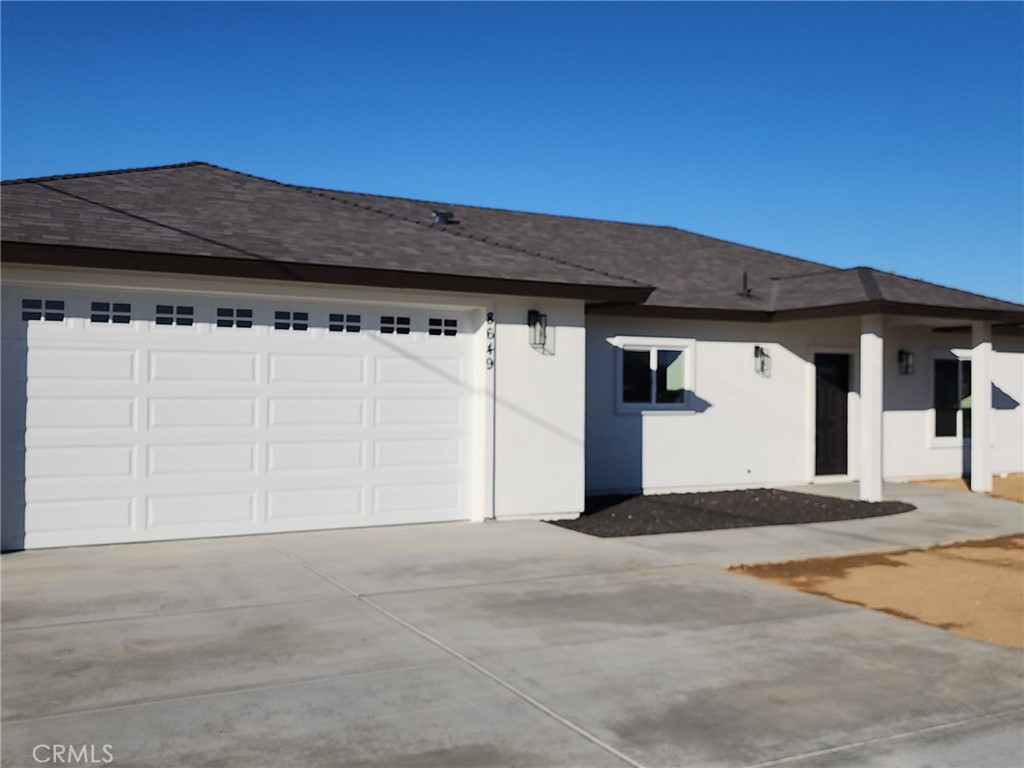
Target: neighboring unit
point(190, 351)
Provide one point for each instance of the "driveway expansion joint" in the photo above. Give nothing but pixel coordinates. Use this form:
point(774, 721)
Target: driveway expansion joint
point(215, 693)
point(487, 673)
point(990, 717)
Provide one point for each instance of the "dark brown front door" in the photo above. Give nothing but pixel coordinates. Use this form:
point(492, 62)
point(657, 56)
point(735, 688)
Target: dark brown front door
point(832, 388)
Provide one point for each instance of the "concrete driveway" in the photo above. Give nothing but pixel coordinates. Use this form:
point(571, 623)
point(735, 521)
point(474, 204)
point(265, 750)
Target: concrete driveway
point(499, 644)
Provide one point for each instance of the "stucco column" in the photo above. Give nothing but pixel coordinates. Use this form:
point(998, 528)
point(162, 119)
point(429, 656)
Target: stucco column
point(981, 407)
point(871, 359)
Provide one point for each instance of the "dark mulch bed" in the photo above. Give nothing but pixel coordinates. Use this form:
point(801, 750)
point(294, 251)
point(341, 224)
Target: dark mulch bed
point(634, 515)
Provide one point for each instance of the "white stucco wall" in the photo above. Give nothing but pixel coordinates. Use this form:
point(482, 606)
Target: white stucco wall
point(540, 410)
point(759, 431)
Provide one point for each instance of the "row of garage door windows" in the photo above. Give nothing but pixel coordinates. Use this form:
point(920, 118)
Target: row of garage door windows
point(231, 317)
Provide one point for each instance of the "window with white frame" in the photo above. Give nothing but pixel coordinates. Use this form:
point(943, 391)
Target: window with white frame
point(655, 376)
point(951, 398)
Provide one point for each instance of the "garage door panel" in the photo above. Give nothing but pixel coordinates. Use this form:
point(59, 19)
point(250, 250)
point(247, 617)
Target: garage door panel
point(206, 413)
point(307, 411)
point(146, 432)
point(417, 453)
point(205, 367)
point(79, 461)
point(417, 498)
point(80, 413)
point(115, 515)
point(309, 503)
point(417, 412)
point(315, 456)
point(64, 363)
point(200, 458)
point(413, 372)
point(329, 368)
point(200, 509)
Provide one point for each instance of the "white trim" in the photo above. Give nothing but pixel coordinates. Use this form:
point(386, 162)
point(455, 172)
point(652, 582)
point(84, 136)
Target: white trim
point(831, 479)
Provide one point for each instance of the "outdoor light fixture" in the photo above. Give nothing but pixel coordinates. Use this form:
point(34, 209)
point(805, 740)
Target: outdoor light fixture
point(538, 323)
point(762, 362)
point(905, 360)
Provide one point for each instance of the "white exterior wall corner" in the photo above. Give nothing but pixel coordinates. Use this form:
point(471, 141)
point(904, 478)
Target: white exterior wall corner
point(527, 445)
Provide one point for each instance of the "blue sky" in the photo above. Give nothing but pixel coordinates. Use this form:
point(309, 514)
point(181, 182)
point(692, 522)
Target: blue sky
point(881, 134)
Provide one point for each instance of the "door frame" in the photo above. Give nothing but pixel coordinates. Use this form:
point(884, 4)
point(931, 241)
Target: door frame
point(852, 414)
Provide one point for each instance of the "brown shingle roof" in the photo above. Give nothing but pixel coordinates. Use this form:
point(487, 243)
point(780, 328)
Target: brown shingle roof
point(196, 209)
point(201, 210)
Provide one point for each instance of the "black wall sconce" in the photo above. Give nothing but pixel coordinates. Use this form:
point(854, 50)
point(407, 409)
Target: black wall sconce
point(538, 323)
point(905, 360)
point(762, 362)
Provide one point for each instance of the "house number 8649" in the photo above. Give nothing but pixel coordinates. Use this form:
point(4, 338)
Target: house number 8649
point(489, 360)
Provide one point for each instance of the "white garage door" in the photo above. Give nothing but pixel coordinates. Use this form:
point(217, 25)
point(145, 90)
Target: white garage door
point(155, 416)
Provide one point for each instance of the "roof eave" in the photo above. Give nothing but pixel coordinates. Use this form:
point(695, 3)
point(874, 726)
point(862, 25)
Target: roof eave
point(899, 308)
point(808, 313)
point(219, 266)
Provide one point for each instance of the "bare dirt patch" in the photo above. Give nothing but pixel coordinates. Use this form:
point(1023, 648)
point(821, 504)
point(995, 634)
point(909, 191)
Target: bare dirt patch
point(973, 588)
point(1010, 487)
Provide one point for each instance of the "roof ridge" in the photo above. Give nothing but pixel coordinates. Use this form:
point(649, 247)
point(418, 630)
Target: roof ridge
point(669, 227)
point(115, 172)
point(330, 194)
point(496, 208)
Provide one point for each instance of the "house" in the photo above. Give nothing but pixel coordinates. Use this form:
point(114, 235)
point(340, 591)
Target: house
point(190, 351)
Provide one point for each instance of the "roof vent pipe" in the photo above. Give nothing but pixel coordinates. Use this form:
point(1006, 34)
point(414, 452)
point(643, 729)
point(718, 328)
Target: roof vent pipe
point(745, 290)
point(443, 218)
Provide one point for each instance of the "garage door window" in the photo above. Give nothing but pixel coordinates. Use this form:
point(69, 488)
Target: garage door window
point(442, 326)
point(229, 317)
point(291, 321)
point(167, 314)
point(107, 312)
point(340, 323)
point(393, 324)
point(50, 310)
